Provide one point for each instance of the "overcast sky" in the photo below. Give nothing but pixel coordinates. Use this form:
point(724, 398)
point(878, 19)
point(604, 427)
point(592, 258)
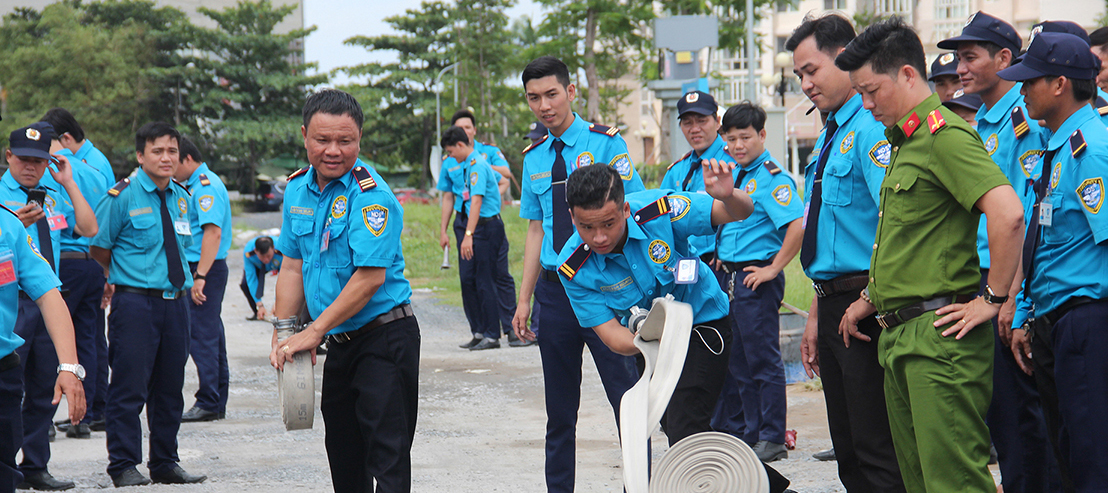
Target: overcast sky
point(337, 20)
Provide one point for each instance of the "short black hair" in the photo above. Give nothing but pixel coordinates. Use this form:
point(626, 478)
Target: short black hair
point(458, 115)
point(590, 187)
point(64, 123)
point(188, 149)
point(832, 31)
point(1083, 89)
point(545, 66)
point(263, 244)
point(454, 136)
point(886, 46)
point(1099, 37)
point(744, 115)
point(333, 102)
point(151, 132)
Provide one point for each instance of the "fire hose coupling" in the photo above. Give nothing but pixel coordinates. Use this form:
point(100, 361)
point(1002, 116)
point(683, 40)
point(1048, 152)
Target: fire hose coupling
point(636, 319)
point(286, 327)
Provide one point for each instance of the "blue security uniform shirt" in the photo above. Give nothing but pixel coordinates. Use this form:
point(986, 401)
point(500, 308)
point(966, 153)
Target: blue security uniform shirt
point(1072, 256)
point(759, 237)
point(1018, 158)
point(606, 286)
point(130, 225)
point(859, 155)
point(1102, 105)
point(14, 197)
point(451, 176)
point(93, 186)
point(251, 265)
point(21, 269)
point(93, 157)
point(362, 230)
point(209, 205)
point(583, 147)
point(481, 179)
point(675, 178)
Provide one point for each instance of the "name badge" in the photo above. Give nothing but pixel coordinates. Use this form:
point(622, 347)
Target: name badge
point(182, 227)
point(57, 222)
point(465, 195)
point(1046, 213)
point(325, 239)
point(7, 269)
point(804, 222)
point(687, 271)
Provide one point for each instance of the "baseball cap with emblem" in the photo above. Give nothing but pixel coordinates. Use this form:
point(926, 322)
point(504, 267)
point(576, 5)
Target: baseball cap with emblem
point(971, 101)
point(984, 27)
point(32, 140)
point(536, 130)
point(945, 64)
point(698, 102)
point(1054, 54)
point(1058, 27)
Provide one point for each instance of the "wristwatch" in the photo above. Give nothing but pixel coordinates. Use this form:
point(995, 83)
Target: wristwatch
point(75, 369)
point(199, 277)
point(469, 232)
point(991, 298)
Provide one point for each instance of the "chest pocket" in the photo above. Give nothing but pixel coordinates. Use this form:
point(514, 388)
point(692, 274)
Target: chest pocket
point(338, 252)
point(1060, 230)
point(622, 300)
point(900, 198)
point(146, 232)
point(838, 182)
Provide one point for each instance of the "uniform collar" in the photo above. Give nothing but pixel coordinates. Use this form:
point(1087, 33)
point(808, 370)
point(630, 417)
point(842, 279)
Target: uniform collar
point(712, 150)
point(915, 120)
point(195, 176)
point(313, 185)
point(634, 232)
point(847, 110)
point(147, 183)
point(85, 149)
point(574, 131)
point(9, 181)
point(1074, 122)
point(1002, 108)
point(471, 157)
point(763, 157)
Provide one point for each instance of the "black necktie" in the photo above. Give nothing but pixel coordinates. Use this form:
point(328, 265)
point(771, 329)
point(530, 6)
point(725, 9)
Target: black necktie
point(45, 245)
point(808, 246)
point(1035, 230)
point(693, 166)
point(172, 254)
point(563, 225)
point(738, 184)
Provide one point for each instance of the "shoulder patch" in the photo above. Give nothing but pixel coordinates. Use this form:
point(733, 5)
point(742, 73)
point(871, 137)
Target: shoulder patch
point(365, 180)
point(847, 143)
point(622, 164)
point(881, 154)
point(602, 129)
point(299, 172)
point(1091, 192)
point(535, 144)
point(204, 180)
point(686, 156)
point(376, 218)
point(1077, 143)
point(771, 167)
point(935, 121)
point(783, 195)
point(1019, 123)
point(114, 191)
point(575, 261)
point(679, 205)
point(656, 209)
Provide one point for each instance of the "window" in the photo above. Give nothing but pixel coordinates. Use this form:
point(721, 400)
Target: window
point(786, 6)
point(834, 4)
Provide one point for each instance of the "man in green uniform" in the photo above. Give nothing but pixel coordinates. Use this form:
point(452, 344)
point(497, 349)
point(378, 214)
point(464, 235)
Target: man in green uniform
point(924, 269)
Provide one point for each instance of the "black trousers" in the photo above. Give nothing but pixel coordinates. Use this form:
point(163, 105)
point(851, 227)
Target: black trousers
point(853, 388)
point(1042, 348)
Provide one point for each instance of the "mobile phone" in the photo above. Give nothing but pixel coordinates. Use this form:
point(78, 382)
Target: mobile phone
point(36, 196)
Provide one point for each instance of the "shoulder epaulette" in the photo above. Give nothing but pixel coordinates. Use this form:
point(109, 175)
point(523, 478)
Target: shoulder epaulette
point(686, 156)
point(1101, 106)
point(204, 180)
point(299, 172)
point(575, 261)
point(910, 125)
point(1077, 143)
point(114, 191)
point(1019, 123)
point(602, 129)
point(771, 167)
point(656, 209)
point(935, 121)
point(535, 144)
point(365, 180)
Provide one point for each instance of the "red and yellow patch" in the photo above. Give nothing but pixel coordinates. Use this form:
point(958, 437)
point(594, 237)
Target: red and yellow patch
point(935, 121)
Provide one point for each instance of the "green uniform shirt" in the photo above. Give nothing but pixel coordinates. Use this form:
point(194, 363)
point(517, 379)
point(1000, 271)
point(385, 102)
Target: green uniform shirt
point(926, 243)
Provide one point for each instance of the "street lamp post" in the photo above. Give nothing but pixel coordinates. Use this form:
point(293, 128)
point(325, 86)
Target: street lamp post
point(782, 61)
point(436, 149)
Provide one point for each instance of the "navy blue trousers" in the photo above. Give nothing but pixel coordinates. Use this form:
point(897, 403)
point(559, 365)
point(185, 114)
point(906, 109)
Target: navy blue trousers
point(39, 360)
point(148, 349)
point(505, 286)
point(560, 345)
point(84, 278)
point(738, 388)
point(209, 342)
point(1081, 375)
point(100, 402)
point(483, 290)
point(11, 427)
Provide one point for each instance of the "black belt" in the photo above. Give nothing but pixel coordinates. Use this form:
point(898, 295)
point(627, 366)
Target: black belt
point(156, 293)
point(76, 256)
point(550, 275)
point(10, 361)
point(1054, 316)
point(897, 317)
point(841, 284)
point(402, 311)
point(730, 267)
point(484, 220)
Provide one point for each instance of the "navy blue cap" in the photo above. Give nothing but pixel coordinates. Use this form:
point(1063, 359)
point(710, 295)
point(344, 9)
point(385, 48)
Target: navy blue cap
point(698, 102)
point(32, 141)
point(1059, 27)
point(537, 130)
point(984, 27)
point(946, 64)
point(1054, 54)
point(971, 101)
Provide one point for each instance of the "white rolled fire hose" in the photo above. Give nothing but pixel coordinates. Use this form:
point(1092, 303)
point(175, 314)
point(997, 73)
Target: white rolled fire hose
point(296, 383)
point(705, 462)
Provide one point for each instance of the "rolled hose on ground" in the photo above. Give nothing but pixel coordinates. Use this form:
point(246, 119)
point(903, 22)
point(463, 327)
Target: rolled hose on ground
point(705, 462)
point(296, 387)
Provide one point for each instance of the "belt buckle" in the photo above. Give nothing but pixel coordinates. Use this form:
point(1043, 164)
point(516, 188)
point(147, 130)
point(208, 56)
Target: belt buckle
point(819, 289)
point(170, 295)
point(341, 337)
point(881, 321)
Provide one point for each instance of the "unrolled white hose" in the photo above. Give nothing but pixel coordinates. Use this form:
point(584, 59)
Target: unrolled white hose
point(296, 390)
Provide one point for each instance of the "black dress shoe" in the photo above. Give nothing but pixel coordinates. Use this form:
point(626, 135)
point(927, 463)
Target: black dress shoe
point(514, 341)
point(177, 476)
point(42, 480)
point(50, 433)
point(62, 425)
point(197, 414)
point(472, 342)
point(129, 477)
point(486, 343)
point(80, 430)
point(824, 455)
point(98, 425)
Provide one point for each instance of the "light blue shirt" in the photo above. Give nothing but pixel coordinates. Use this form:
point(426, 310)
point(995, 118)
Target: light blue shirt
point(93, 157)
point(674, 179)
point(481, 180)
point(362, 229)
point(859, 155)
point(583, 146)
point(252, 266)
point(606, 286)
point(14, 197)
point(93, 186)
point(452, 179)
point(759, 237)
point(21, 269)
point(209, 205)
point(130, 225)
point(1072, 258)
